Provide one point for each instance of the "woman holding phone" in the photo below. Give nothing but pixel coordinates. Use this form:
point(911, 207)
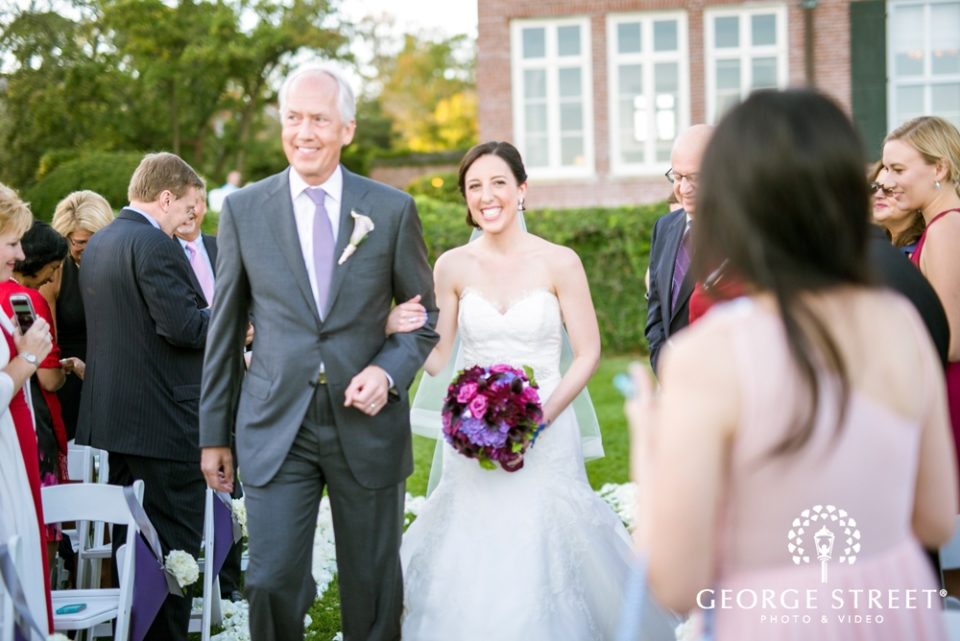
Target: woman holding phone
point(20, 354)
point(44, 250)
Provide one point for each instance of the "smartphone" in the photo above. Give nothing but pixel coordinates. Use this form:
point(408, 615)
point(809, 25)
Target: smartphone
point(72, 608)
point(23, 311)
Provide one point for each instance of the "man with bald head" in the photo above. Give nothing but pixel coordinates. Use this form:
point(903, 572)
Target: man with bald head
point(323, 405)
point(668, 299)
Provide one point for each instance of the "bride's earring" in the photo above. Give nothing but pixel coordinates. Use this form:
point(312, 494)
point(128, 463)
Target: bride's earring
point(520, 206)
point(936, 185)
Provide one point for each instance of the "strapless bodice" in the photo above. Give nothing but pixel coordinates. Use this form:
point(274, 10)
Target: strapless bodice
point(529, 332)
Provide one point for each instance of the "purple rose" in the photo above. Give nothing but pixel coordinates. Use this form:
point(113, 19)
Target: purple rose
point(478, 406)
point(466, 392)
point(500, 368)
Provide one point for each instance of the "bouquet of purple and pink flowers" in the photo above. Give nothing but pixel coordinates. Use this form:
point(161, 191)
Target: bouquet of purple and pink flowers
point(493, 414)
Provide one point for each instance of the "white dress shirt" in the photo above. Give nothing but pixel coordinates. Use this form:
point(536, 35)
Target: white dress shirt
point(303, 212)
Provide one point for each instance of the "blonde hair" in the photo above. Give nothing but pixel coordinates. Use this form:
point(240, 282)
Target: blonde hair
point(937, 141)
point(85, 210)
point(161, 172)
point(15, 214)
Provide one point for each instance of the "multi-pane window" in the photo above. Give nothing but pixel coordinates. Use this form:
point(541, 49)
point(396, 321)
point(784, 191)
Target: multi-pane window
point(649, 88)
point(552, 96)
point(923, 64)
point(746, 49)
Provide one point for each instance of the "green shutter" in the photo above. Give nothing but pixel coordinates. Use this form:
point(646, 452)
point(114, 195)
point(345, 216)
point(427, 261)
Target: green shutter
point(868, 72)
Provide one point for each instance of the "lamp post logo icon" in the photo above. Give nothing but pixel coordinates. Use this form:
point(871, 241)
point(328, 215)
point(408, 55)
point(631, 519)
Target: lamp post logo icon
point(842, 533)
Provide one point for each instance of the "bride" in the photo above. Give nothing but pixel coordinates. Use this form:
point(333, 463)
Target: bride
point(534, 554)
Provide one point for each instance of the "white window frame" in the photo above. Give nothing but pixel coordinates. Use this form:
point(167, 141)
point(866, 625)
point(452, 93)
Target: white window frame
point(551, 64)
point(648, 58)
point(927, 80)
point(746, 51)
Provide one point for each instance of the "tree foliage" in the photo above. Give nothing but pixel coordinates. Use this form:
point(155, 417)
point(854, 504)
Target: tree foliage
point(193, 77)
point(428, 90)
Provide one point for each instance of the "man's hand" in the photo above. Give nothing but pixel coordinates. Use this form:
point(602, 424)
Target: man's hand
point(216, 463)
point(367, 391)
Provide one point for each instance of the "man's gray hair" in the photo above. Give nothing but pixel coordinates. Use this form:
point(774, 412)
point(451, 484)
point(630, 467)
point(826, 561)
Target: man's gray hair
point(346, 102)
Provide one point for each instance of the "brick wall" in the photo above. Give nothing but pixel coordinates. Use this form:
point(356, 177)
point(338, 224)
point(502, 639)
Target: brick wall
point(831, 72)
point(403, 175)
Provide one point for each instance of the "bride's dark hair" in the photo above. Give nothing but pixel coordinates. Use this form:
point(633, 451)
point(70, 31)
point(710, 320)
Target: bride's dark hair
point(783, 198)
point(503, 150)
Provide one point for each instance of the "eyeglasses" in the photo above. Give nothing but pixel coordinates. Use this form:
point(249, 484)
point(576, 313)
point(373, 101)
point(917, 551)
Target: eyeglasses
point(676, 178)
point(874, 186)
point(78, 244)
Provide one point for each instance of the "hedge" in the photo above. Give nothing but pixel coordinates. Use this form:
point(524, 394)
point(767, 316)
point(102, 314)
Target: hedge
point(613, 243)
point(107, 173)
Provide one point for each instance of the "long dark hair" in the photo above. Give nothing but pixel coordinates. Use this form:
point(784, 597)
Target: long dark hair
point(503, 150)
point(783, 198)
point(41, 246)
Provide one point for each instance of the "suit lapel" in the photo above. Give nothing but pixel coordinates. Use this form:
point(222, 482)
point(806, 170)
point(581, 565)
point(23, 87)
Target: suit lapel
point(210, 244)
point(349, 200)
point(284, 229)
point(676, 236)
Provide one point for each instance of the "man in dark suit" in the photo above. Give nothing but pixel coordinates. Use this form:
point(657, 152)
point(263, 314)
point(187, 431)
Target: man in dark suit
point(146, 329)
point(668, 299)
point(324, 403)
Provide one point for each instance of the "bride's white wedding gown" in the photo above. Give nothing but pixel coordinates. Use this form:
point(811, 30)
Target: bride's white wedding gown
point(533, 555)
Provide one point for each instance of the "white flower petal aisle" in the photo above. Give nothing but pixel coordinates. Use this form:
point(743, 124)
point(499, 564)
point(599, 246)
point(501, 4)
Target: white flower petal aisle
point(236, 615)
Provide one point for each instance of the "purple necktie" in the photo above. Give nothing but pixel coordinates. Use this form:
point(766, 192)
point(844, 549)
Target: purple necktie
point(680, 268)
point(322, 247)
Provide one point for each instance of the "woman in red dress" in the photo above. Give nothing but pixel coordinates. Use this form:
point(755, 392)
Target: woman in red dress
point(921, 171)
point(20, 354)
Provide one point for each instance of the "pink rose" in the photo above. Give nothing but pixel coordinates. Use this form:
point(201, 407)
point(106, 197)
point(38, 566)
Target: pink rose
point(478, 406)
point(500, 368)
point(466, 392)
point(530, 395)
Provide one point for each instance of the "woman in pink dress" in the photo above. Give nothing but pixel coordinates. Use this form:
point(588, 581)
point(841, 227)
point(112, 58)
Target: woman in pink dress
point(798, 454)
point(921, 171)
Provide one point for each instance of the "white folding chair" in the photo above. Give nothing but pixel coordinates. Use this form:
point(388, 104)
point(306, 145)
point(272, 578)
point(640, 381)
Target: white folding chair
point(212, 611)
point(89, 544)
point(95, 502)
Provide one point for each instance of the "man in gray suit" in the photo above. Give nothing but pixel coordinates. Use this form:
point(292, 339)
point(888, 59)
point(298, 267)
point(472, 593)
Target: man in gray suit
point(324, 403)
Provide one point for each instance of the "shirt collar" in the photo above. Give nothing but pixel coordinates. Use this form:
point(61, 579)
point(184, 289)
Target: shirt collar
point(150, 219)
point(333, 186)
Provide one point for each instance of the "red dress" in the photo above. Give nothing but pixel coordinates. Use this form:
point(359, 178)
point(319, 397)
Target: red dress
point(23, 421)
point(48, 420)
point(953, 367)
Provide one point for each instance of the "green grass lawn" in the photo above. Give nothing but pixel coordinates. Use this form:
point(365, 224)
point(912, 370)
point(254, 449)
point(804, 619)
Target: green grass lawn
point(613, 468)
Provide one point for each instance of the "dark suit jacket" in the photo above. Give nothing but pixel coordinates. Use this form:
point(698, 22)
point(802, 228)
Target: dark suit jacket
point(261, 271)
point(892, 269)
point(146, 330)
point(663, 320)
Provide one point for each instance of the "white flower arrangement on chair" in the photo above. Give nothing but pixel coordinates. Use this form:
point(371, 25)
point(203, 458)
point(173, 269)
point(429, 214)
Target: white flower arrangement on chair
point(183, 567)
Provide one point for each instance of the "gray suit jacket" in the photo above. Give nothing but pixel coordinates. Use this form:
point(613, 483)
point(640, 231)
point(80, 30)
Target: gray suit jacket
point(261, 272)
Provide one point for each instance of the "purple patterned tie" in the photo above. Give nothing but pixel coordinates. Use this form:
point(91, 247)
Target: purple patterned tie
point(322, 247)
point(680, 268)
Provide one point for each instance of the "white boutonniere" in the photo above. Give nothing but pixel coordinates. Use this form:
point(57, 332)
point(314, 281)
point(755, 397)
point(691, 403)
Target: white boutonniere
point(362, 226)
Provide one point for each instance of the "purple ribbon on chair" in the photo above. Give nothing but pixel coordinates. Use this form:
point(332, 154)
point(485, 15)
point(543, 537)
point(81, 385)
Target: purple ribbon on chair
point(151, 581)
point(225, 530)
point(24, 623)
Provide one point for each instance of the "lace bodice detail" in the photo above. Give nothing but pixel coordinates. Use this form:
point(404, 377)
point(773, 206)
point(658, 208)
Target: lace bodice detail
point(529, 332)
